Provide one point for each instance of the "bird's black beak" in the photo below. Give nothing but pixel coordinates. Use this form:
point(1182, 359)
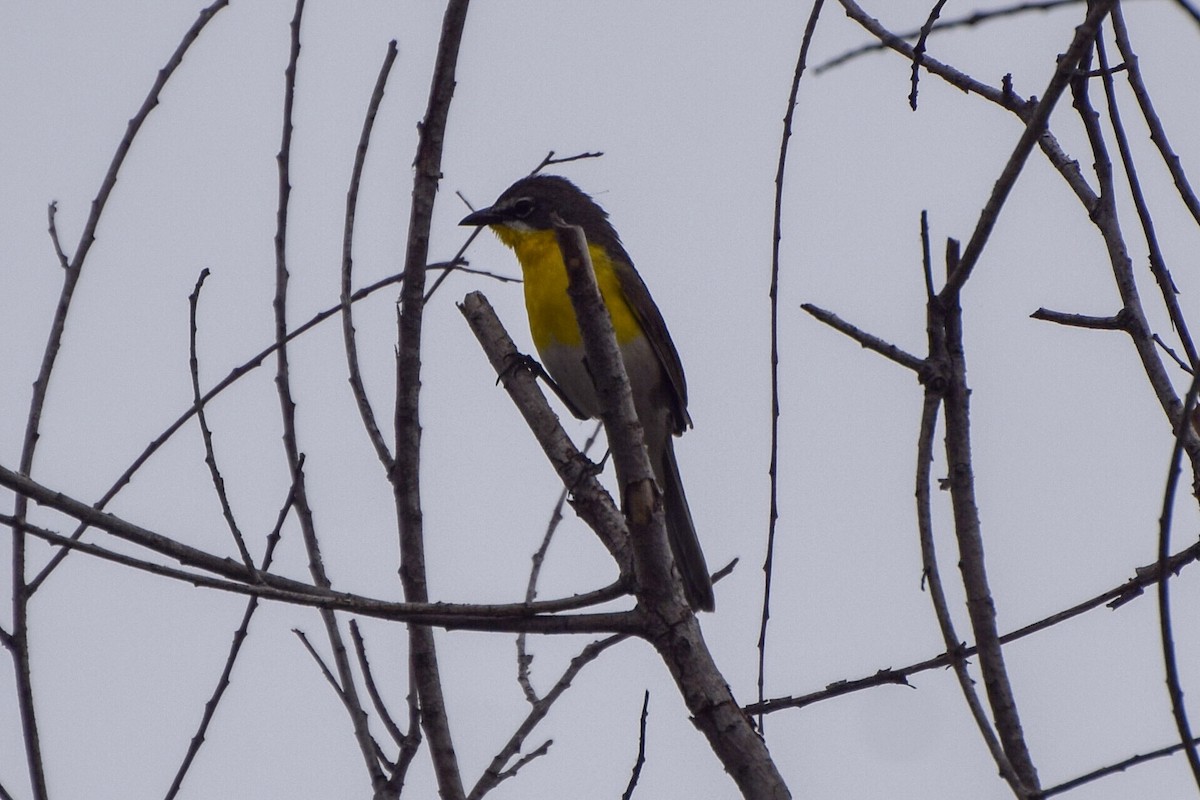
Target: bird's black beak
point(484, 216)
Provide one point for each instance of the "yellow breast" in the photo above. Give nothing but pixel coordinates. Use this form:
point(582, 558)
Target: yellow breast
point(551, 317)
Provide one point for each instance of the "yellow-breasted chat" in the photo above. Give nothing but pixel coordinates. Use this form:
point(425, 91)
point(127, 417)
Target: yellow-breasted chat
point(521, 218)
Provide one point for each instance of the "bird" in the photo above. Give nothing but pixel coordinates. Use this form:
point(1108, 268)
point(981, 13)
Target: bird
point(522, 219)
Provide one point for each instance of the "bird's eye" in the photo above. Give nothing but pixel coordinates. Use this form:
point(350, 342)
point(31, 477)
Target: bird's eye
point(522, 208)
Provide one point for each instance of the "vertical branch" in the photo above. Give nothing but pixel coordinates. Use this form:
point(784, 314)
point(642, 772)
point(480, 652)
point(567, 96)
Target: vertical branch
point(636, 773)
point(665, 619)
point(405, 474)
point(1158, 265)
point(773, 293)
point(17, 641)
point(641, 502)
point(936, 380)
point(980, 606)
point(1158, 134)
point(288, 413)
point(1105, 217)
point(1174, 688)
point(348, 335)
point(210, 456)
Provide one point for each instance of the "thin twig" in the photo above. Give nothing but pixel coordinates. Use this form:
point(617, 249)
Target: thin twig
point(1115, 322)
point(235, 648)
point(972, 19)
point(22, 590)
point(1005, 97)
point(1114, 598)
point(463, 268)
point(919, 50)
point(957, 78)
point(496, 772)
point(364, 666)
point(1112, 769)
point(636, 773)
point(348, 335)
point(867, 340)
point(287, 407)
point(52, 213)
point(1170, 661)
point(524, 659)
point(235, 374)
point(210, 457)
point(1158, 263)
point(1104, 214)
point(347, 701)
point(1158, 133)
point(551, 160)
point(1166, 348)
point(1034, 127)
point(274, 586)
point(773, 295)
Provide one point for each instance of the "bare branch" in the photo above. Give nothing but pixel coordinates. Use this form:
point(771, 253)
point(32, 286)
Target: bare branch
point(364, 666)
point(975, 18)
point(1158, 133)
point(332, 681)
point(1170, 662)
point(524, 659)
point(1158, 264)
point(1114, 598)
point(626, 442)
point(1105, 216)
point(868, 341)
point(235, 648)
point(968, 531)
point(1034, 127)
point(496, 772)
point(18, 643)
point(578, 474)
point(1116, 322)
point(236, 374)
point(542, 617)
point(773, 294)
point(551, 160)
point(51, 213)
point(1112, 769)
point(287, 406)
point(406, 472)
point(641, 753)
point(210, 457)
point(919, 50)
point(935, 389)
point(348, 336)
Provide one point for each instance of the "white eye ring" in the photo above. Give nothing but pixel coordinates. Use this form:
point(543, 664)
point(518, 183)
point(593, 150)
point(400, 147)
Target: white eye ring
point(522, 208)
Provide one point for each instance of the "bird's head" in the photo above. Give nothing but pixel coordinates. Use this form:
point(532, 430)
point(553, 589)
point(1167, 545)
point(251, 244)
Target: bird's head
point(530, 205)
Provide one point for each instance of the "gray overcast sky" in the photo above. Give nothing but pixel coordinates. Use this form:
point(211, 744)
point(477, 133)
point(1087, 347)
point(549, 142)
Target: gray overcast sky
point(686, 102)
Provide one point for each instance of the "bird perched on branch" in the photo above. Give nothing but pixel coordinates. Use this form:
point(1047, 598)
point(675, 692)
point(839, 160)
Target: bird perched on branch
point(521, 217)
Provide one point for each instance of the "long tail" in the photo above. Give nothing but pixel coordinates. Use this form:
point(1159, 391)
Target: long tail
point(681, 533)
